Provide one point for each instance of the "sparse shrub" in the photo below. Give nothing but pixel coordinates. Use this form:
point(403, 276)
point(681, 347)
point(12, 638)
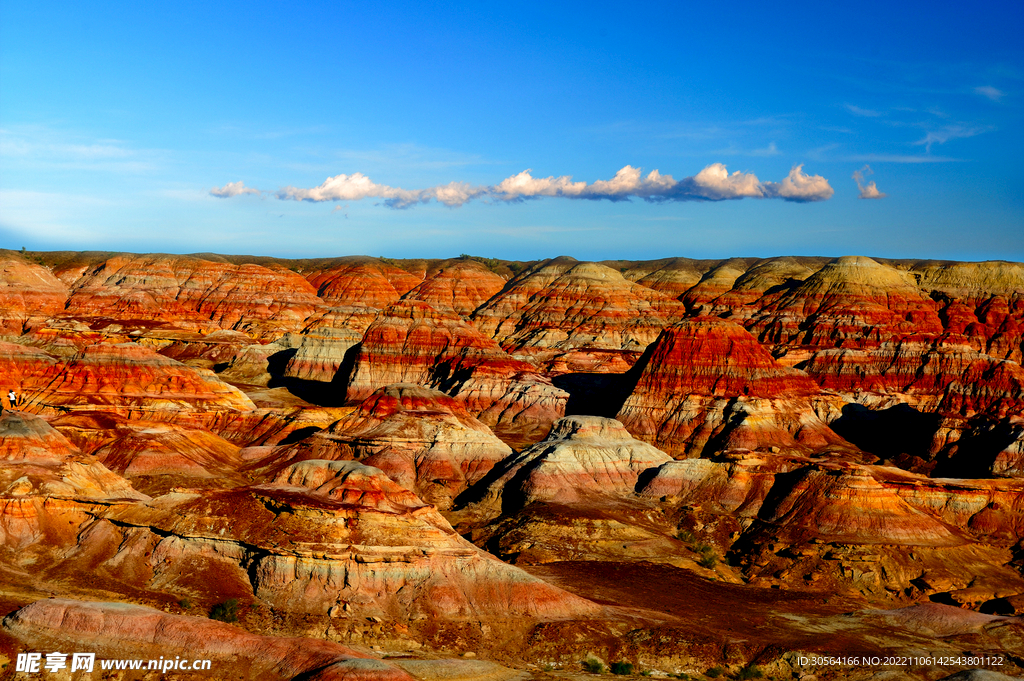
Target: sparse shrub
point(646, 672)
point(226, 611)
point(548, 668)
point(707, 560)
point(750, 672)
point(593, 665)
point(622, 668)
point(686, 536)
point(714, 672)
point(185, 604)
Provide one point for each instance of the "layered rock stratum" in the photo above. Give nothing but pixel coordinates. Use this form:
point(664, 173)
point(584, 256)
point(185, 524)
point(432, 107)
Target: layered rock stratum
point(683, 464)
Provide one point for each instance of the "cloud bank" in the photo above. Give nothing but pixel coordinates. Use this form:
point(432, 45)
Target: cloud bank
point(869, 190)
point(713, 183)
point(232, 189)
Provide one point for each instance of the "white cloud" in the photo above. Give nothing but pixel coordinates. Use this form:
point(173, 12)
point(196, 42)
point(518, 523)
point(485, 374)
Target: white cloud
point(770, 150)
point(869, 190)
point(990, 92)
point(949, 132)
point(867, 113)
point(525, 185)
point(799, 186)
point(713, 183)
point(233, 189)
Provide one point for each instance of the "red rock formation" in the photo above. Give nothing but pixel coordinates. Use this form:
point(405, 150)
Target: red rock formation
point(841, 528)
point(459, 287)
point(157, 456)
point(121, 630)
point(715, 283)
point(27, 291)
point(674, 277)
point(323, 536)
point(47, 486)
point(24, 369)
point(851, 302)
point(563, 308)
point(423, 439)
point(195, 293)
point(933, 377)
point(983, 301)
point(708, 380)
point(216, 348)
point(583, 457)
point(365, 282)
point(411, 342)
point(128, 377)
point(321, 353)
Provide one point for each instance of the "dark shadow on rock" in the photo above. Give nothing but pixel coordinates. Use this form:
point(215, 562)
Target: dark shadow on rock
point(973, 455)
point(320, 393)
point(894, 434)
point(594, 394)
point(298, 434)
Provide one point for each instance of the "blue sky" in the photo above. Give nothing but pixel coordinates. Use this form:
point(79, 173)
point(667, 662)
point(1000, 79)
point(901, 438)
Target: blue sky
point(119, 119)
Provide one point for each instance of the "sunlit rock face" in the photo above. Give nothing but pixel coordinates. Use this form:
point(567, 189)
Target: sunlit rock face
point(707, 380)
point(111, 630)
point(128, 377)
point(321, 354)
point(322, 535)
point(851, 302)
point(411, 342)
point(195, 293)
point(459, 287)
point(583, 315)
point(421, 438)
point(27, 291)
point(48, 487)
point(583, 457)
point(322, 439)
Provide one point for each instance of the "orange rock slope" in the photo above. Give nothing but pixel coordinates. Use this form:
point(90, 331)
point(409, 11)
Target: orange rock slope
point(707, 383)
point(347, 446)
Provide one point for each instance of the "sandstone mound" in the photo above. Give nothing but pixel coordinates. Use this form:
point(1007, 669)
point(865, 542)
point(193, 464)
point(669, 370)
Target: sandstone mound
point(27, 291)
point(851, 299)
point(583, 457)
point(325, 535)
point(209, 351)
point(194, 293)
point(851, 507)
point(936, 619)
point(838, 527)
point(765, 278)
point(412, 342)
point(321, 353)
point(156, 456)
point(737, 485)
point(120, 630)
point(422, 438)
point(458, 288)
point(48, 487)
point(707, 382)
point(556, 309)
point(38, 460)
point(364, 282)
point(127, 376)
point(716, 282)
point(673, 278)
